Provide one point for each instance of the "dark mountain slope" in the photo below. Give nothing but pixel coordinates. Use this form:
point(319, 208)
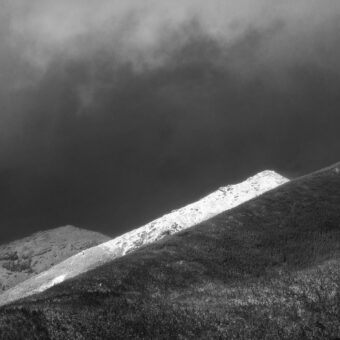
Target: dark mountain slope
point(269, 268)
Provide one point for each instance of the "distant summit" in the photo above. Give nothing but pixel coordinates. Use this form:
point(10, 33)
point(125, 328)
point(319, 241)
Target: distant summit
point(22, 259)
point(219, 201)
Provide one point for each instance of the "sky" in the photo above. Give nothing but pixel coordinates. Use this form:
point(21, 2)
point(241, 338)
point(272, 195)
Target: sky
point(113, 113)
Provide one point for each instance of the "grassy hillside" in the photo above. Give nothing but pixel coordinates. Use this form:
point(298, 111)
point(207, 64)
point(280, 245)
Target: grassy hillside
point(29, 256)
point(268, 269)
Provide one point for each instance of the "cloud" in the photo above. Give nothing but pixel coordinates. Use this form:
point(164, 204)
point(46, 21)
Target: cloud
point(144, 33)
point(114, 107)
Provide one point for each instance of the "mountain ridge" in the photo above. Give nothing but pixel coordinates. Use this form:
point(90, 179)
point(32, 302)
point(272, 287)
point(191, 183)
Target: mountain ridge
point(222, 199)
point(269, 268)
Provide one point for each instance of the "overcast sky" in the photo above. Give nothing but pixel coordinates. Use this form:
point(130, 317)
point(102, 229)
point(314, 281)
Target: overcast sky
point(114, 112)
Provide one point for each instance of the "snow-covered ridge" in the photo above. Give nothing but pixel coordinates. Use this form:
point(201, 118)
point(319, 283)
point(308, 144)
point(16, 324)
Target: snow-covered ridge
point(219, 201)
point(209, 206)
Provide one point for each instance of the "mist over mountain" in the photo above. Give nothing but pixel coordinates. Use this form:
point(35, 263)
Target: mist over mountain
point(113, 107)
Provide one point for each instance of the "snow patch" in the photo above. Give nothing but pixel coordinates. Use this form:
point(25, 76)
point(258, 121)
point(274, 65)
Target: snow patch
point(55, 281)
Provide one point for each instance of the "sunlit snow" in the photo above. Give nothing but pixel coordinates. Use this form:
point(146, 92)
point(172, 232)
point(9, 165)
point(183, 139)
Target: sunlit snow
point(221, 200)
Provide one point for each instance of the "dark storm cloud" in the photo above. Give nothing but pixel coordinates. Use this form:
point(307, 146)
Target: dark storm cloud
point(112, 114)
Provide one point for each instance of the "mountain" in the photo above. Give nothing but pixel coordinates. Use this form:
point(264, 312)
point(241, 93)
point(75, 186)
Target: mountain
point(221, 200)
point(22, 259)
point(267, 269)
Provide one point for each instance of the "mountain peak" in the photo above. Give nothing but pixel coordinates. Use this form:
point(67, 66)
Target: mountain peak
point(192, 214)
point(248, 273)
